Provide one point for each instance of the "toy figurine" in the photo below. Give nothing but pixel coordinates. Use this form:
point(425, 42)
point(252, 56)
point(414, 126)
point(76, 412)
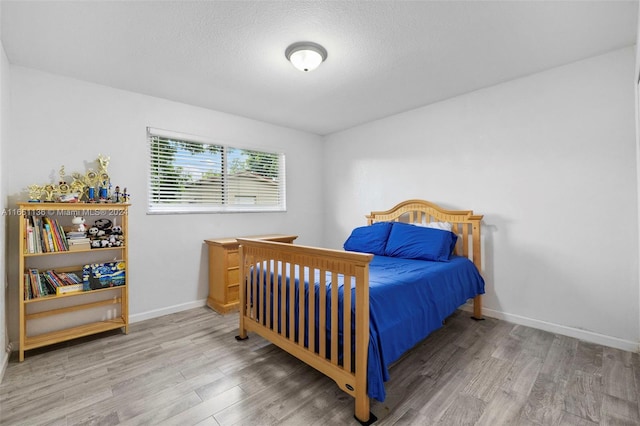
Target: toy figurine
point(79, 222)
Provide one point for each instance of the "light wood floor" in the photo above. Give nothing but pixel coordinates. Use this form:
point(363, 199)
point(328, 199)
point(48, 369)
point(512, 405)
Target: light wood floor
point(187, 369)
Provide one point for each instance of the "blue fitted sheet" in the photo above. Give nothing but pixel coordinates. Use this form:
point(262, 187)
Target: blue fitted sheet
point(408, 300)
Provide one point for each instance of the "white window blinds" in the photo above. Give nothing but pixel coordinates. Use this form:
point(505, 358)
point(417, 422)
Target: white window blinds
point(188, 175)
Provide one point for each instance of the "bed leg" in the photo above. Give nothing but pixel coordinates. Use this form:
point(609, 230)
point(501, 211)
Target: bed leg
point(477, 308)
point(371, 420)
point(242, 332)
point(362, 411)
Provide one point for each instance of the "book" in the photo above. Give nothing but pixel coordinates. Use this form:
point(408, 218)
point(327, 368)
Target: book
point(75, 235)
point(32, 283)
point(51, 245)
point(37, 227)
point(49, 283)
point(82, 246)
point(55, 235)
point(71, 288)
point(102, 275)
point(27, 287)
point(37, 248)
point(30, 240)
point(70, 278)
point(79, 241)
point(39, 287)
point(62, 238)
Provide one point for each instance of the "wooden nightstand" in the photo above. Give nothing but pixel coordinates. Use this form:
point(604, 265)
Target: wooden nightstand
point(224, 270)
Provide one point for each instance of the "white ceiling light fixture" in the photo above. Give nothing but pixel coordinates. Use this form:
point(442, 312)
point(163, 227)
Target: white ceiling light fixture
point(306, 55)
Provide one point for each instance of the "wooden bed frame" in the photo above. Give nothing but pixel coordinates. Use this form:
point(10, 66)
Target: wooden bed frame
point(350, 373)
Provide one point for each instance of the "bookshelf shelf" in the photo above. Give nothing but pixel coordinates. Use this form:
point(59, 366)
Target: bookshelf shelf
point(68, 252)
point(46, 319)
point(76, 294)
point(88, 329)
point(74, 308)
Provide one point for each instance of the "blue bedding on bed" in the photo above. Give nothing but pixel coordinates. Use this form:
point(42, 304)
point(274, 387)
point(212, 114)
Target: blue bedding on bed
point(408, 300)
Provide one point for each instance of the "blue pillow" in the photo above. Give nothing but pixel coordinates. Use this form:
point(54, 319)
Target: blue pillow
point(417, 242)
point(369, 239)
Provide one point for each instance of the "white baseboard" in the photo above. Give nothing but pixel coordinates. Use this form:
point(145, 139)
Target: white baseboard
point(165, 311)
point(589, 336)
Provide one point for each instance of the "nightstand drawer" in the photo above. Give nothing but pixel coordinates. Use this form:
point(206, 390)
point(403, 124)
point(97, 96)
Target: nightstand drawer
point(233, 259)
point(233, 276)
point(233, 293)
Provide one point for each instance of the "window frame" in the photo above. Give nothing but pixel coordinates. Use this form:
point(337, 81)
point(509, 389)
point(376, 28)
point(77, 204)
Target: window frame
point(154, 208)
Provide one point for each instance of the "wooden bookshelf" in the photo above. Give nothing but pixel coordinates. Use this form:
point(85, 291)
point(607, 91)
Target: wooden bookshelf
point(50, 319)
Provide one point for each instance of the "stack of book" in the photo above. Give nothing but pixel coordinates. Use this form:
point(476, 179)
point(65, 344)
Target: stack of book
point(78, 240)
point(43, 235)
point(40, 284)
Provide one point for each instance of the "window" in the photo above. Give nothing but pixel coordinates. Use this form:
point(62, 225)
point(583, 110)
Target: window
point(188, 174)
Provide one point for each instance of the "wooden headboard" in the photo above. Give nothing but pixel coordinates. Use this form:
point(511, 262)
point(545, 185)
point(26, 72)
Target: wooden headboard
point(465, 224)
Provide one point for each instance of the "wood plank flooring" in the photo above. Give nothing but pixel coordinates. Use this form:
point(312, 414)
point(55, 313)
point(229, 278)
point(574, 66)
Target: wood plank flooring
point(187, 369)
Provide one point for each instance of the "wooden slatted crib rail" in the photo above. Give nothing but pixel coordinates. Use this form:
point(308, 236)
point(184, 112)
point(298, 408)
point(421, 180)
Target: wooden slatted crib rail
point(269, 300)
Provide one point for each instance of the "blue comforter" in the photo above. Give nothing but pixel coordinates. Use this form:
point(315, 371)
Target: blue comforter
point(408, 299)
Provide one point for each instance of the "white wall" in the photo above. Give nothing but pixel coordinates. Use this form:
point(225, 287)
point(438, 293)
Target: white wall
point(59, 121)
point(4, 126)
point(549, 160)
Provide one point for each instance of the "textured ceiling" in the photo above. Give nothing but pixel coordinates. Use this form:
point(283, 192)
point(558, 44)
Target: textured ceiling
point(385, 57)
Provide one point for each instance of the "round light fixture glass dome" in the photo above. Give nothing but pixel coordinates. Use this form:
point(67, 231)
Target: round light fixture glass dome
point(306, 55)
